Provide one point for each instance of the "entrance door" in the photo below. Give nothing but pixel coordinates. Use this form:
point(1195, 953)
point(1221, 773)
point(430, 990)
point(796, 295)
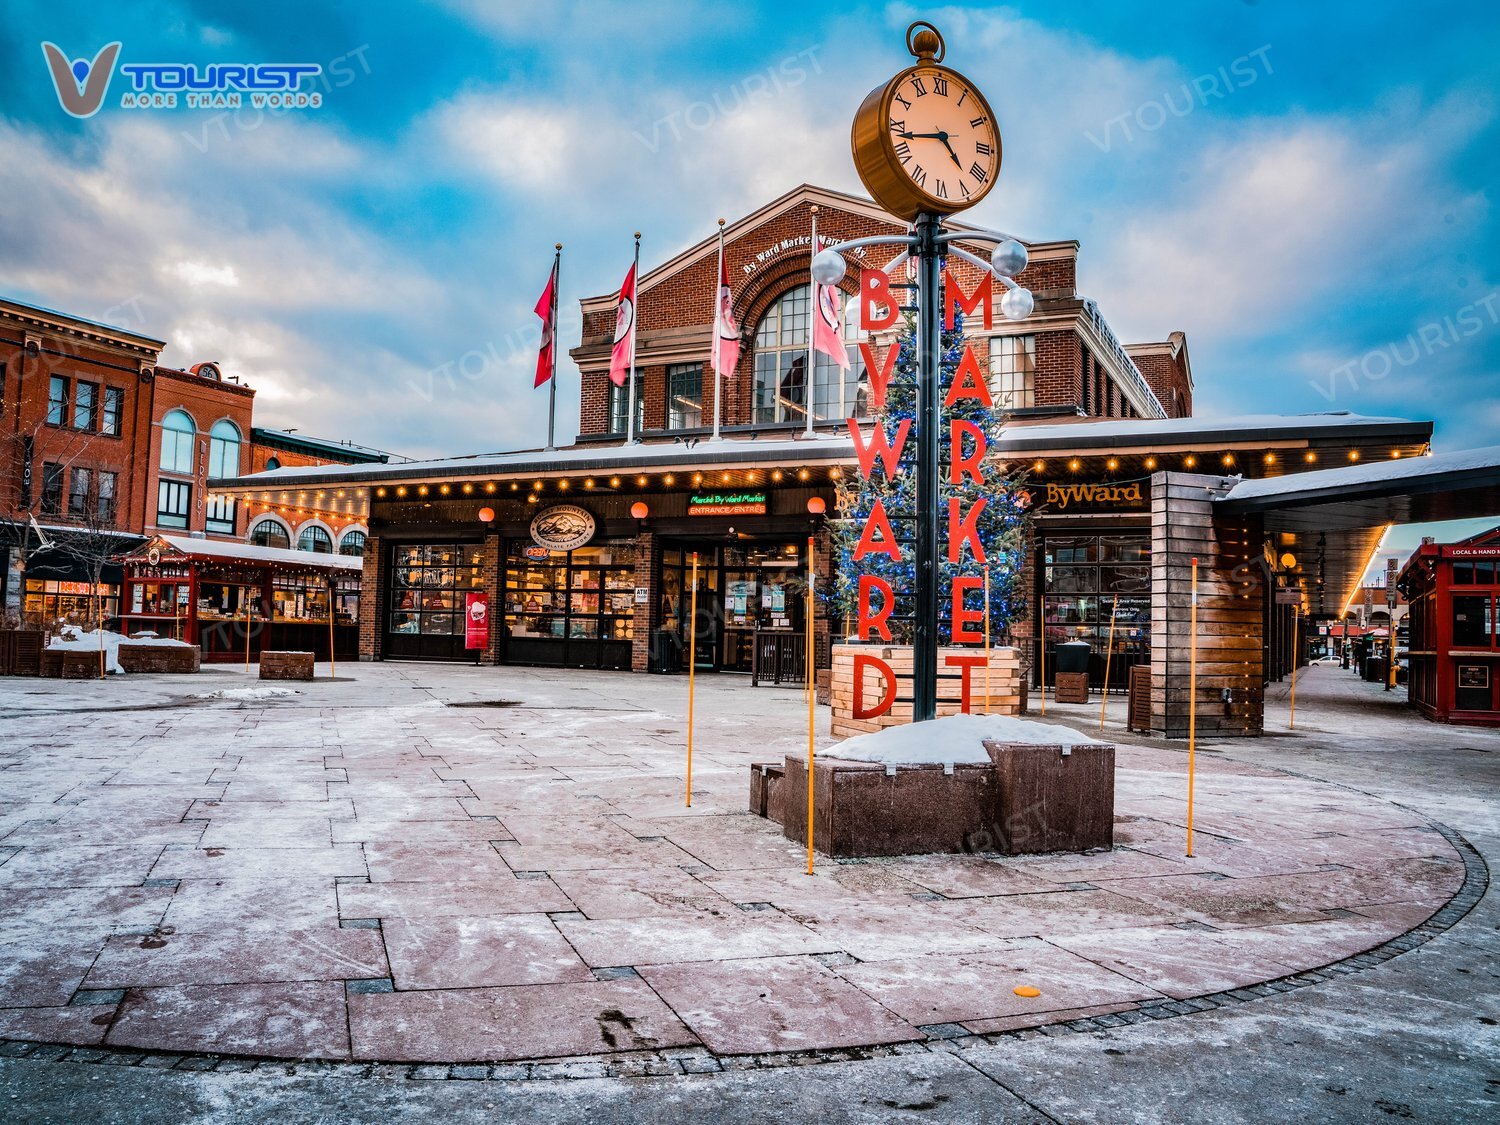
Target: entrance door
point(743, 591)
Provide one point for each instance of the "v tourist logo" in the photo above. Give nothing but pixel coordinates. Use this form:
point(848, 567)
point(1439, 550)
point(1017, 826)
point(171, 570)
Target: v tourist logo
point(80, 84)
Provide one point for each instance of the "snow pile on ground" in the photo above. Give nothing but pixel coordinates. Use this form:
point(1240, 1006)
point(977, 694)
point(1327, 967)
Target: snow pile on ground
point(954, 739)
point(242, 694)
point(73, 639)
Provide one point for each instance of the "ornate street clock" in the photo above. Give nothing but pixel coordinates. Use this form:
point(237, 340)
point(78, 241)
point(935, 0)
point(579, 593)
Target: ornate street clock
point(927, 139)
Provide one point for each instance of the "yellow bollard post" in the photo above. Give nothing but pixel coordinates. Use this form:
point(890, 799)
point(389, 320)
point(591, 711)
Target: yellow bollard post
point(1192, 706)
point(812, 699)
point(1114, 610)
point(1044, 659)
point(986, 639)
point(692, 674)
point(1291, 721)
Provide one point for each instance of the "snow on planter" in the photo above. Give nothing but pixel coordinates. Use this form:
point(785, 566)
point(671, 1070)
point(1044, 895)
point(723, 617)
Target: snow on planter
point(72, 639)
point(952, 740)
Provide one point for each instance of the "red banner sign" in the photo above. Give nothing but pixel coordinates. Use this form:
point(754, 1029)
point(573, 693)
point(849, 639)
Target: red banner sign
point(476, 619)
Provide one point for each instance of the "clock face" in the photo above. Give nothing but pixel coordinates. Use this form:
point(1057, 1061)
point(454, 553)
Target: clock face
point(943, 135)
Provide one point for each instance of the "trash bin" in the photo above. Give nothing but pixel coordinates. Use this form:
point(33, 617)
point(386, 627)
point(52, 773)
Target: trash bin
point(1072, 656)
point(666, 653)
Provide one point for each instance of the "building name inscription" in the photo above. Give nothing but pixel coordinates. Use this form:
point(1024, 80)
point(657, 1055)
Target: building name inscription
point(1060, 496)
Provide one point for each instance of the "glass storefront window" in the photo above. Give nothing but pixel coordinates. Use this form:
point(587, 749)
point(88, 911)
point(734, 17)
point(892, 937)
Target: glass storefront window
point(1084, 577)
point(73, 603)
point(1473, 621)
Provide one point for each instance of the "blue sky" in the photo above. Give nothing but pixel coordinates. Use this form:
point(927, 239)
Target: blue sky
point(1304, 189)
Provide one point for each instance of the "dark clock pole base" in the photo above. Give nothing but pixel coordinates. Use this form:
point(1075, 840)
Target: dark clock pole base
point(929, 445)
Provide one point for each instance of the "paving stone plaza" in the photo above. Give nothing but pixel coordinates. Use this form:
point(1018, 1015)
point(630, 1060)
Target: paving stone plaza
point(422, 873)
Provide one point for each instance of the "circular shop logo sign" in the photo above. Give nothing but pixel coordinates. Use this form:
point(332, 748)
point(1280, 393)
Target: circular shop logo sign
point(562, 527)
point(153, 556)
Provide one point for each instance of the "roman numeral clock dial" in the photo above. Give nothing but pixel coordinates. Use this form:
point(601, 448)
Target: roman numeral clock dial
point(927, 139)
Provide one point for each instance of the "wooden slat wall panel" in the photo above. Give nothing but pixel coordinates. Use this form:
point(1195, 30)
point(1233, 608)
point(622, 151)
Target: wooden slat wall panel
point(1230, 611)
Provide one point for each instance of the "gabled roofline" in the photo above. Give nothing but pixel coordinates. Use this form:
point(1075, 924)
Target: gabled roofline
point(802, 193)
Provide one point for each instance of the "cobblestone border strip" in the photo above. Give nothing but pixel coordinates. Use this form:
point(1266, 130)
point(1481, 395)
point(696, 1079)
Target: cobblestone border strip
point(700, 1060)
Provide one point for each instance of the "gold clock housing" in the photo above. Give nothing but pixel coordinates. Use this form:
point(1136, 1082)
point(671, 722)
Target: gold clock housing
point(927, 139)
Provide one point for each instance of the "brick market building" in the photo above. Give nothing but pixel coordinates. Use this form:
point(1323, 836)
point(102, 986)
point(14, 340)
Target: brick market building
point(582, 557)
point(98, 438)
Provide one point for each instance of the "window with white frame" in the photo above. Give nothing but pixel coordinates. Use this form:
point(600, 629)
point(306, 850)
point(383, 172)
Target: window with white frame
point(177, 436)
point(684, 396)
point(174, 501)
point(224, 449)
point(1013, 372)
point(270, 533)
point(221, 513)
point(782, 341)
point(618, 400)
point(352, 544)
point(316, 540)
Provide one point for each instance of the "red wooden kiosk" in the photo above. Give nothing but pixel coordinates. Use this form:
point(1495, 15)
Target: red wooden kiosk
point(1453, 589)
point(207, 592)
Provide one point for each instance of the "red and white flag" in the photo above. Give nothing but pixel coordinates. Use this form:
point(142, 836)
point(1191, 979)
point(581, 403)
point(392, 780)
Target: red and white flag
point(620, 357)
point(726, 355)
point(828, 318)
point(548, 312)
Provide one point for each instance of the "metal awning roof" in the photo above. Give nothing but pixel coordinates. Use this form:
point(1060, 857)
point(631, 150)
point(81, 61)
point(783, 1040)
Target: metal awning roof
point(1337, 517)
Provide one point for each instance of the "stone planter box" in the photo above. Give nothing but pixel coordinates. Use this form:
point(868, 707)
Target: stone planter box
point(767, 790)
point(286, 666)
point(81, 665)
point(1026, 799)
point(160, 659)
point(1072, 687)
point(1005, 691)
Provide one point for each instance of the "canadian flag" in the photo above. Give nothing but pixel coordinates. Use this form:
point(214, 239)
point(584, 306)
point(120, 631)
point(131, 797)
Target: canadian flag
point(548, 313)
point(726, 355)
point(828, 319)
point(619, 359)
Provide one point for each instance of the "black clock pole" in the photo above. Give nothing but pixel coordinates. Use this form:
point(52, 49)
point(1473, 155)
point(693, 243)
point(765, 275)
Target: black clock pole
point(929, 445)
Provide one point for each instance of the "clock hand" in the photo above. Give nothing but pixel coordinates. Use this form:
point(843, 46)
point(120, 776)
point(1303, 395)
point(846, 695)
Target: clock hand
point(939, 136)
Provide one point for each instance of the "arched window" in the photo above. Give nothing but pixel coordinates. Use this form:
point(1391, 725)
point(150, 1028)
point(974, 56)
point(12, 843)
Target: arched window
point(353, 543)
point(269, 533)
point(177, 434)
point(316, 540)
point(781, 348)
point(273, 463)
point(224, 449)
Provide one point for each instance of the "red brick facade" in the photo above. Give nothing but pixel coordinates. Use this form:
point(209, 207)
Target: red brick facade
point(35, 347)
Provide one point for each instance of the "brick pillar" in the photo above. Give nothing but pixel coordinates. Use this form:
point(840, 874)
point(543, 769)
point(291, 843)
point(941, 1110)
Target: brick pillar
point(371, 600)
point(1230, 607)
point(647, 554)
point(494, 585)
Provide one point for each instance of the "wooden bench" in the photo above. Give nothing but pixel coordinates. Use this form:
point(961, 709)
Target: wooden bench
point(286, 666)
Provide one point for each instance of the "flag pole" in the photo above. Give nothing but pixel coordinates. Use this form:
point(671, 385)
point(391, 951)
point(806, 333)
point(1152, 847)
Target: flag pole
point(718, 346)
point(635, 330)
point(815, 309)
point(552, 379)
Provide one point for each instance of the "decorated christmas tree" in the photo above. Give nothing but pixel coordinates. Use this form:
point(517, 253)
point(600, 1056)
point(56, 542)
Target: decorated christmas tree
point(1000, 525)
